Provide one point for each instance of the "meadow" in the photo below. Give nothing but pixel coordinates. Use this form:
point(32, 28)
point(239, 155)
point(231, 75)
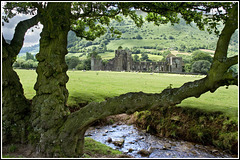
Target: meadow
point(87, 86)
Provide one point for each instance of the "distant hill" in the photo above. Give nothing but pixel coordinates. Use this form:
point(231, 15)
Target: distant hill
point(32, 49)
point(149, 38)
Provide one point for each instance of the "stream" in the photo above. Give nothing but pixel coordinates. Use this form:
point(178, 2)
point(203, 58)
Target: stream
point(139, 144)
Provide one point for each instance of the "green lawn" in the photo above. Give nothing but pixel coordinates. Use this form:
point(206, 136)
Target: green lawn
point(97, 85)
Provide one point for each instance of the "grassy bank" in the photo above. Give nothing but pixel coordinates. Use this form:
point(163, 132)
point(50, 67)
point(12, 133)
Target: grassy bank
point(97, 85)
point(191, 124)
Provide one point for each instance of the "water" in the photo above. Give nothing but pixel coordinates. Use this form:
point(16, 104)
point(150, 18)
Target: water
point(135, 140)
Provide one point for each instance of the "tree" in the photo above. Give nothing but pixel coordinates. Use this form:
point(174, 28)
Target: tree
point(199, 55)
point(60, 133)
point(120, 47)
point(201, 66)
point(144, 57)
point(29, 56)
point(182, 47)
point(138, 37)
point(135, 58)
point(72, 62)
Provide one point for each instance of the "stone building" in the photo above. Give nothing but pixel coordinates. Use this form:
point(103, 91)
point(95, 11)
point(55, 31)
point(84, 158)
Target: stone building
point(123, 61)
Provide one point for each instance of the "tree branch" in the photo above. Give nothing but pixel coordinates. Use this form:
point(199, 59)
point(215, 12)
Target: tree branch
point(20, 30)
point(232, 61)
point(226, 34)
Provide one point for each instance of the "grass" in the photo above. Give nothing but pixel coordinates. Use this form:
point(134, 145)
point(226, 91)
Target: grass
point(93, 148)
point(9, 156)
point(97, 85)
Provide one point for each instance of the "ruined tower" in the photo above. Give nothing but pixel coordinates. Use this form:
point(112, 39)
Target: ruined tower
point(123, 60)
point(96, 64)
point(174, 63)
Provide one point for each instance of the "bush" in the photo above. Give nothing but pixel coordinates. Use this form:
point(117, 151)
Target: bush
point(171, 37)
point(72, 62)
point(80, 66)
point(200, 55)
point(29, 64)
point(144, 57)
point(201, 66)
point(139, 37)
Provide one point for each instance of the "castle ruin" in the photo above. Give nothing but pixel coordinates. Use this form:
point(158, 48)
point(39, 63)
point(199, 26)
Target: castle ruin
point(123, 61)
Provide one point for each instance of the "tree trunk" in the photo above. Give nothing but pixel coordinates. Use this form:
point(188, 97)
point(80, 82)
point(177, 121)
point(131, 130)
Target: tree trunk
point(49, 104)
point(15, 107)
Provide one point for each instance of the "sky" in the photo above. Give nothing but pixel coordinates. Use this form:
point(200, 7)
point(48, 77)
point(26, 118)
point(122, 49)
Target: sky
point(31, 38)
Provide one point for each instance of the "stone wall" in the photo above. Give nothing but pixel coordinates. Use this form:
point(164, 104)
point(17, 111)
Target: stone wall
point(123, 61)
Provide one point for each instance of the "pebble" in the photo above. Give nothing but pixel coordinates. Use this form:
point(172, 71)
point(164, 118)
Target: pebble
point(109, 140)
point(118, 142)
point(114, 125)
point(214, 151)
point(166, 146)
point(88, 134)
point(130, 150)
point(144, 153)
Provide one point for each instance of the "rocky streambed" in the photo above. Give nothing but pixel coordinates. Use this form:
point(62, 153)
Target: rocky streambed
point(139, 144)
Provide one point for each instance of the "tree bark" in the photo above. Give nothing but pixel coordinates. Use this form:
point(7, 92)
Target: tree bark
point(49, 104)
point(15, 107)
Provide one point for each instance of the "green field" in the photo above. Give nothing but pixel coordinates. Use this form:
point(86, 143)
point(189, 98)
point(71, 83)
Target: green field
point(98, 85)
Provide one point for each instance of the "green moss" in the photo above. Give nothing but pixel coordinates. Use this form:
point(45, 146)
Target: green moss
point(9, 156)
point(33, 137)
point(93, 148)
point(12, 148)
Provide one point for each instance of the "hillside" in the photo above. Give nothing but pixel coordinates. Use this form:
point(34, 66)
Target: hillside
point(151, 39)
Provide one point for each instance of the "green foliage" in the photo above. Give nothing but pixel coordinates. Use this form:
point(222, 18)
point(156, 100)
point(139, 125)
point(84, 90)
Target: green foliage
point(9, 156)
point(120, 47)
point(144, 57)
point(12, 148)
point(29, 56)
point(72, 62)
point(139, 37)
point(201, 66)
point(199, 55)
point(28, 64)
point(135, 58)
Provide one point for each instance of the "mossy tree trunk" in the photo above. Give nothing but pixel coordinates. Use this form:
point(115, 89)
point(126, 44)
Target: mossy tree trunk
point(49, 104)
point(15, 107)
